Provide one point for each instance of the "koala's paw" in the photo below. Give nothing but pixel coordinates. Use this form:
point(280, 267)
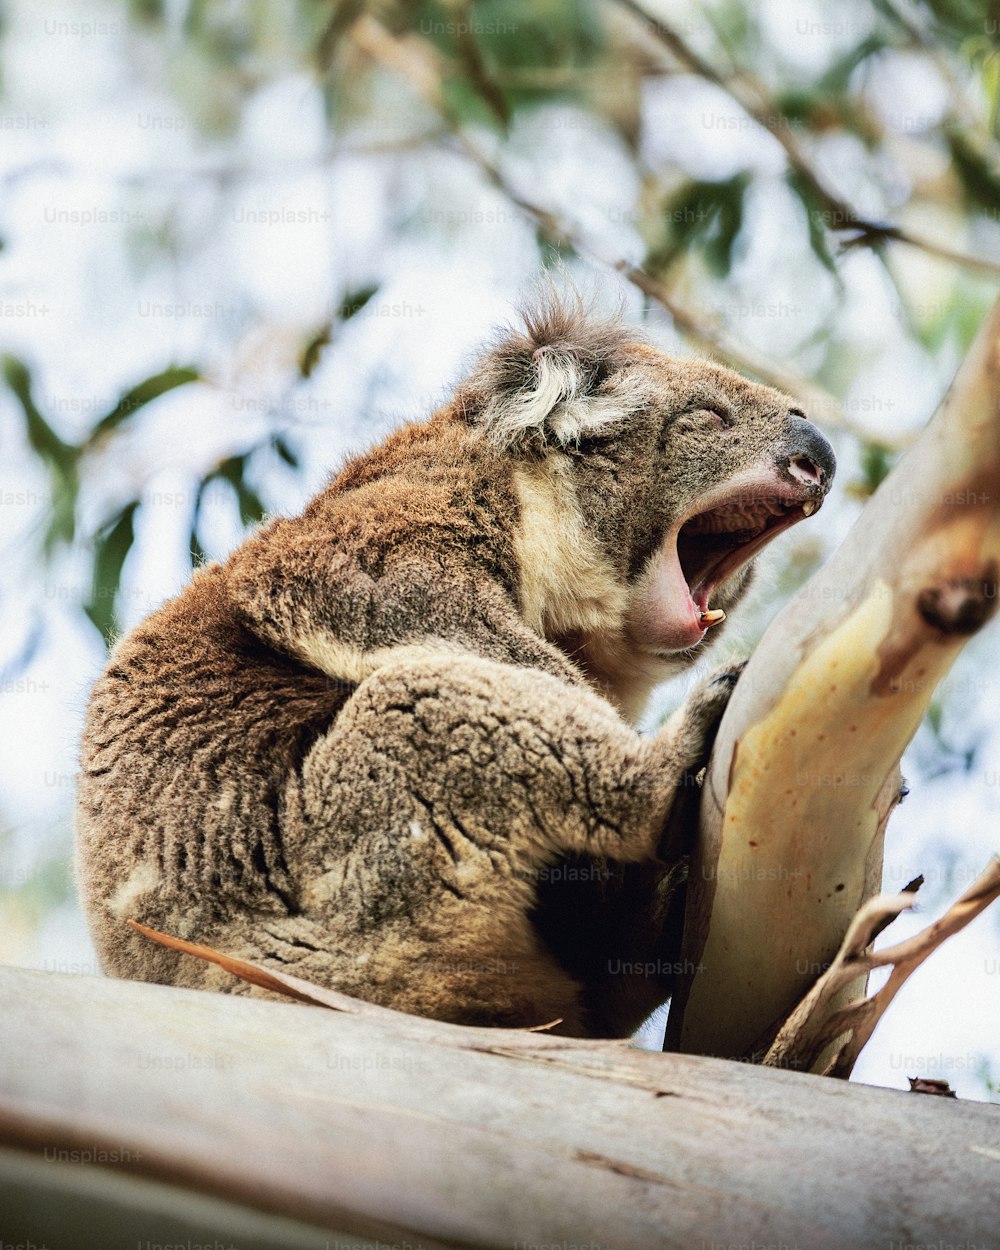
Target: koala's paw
point(696, 721)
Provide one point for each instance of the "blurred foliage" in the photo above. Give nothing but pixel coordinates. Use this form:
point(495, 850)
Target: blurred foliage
point(112, 544)
point(59, 458)
point(483, 66)
point(136, 398)
point(63, 461)
point(876, 461)
point(352, 303)
point(985, 1073)
point(703, 216)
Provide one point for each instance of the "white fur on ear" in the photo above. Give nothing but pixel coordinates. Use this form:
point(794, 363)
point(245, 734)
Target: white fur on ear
point(548, 388)
point(557, 382)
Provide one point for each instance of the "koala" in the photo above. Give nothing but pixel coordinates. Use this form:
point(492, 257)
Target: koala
point(388, 745)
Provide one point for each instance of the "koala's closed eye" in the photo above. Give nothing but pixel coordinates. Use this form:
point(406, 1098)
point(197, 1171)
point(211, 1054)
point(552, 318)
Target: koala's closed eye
point(594, 444)
point(719, 413)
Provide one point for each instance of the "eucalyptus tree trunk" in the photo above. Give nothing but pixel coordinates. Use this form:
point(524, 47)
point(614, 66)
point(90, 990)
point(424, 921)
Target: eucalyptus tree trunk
point(805, 770)
point(135, 1115)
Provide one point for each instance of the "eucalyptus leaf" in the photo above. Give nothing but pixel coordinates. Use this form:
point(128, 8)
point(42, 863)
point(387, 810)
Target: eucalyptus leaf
point(60, 458)
point(816, 220)
point(233, 471)
point(111, 546)
point(140, 395)
point(979, 175)
point(285, 452)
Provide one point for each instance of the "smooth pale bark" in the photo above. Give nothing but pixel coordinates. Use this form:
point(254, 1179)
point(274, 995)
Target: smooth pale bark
point(384, 1128)
point(804, 774)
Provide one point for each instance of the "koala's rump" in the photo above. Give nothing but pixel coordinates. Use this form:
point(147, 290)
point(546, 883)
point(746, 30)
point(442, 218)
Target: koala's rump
point(192, 734)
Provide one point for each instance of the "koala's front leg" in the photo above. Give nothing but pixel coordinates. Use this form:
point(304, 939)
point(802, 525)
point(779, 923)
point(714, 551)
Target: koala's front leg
point(618, 927)
point(420, 826)
point(689, 733)
point(501, 763)
point(691, 728)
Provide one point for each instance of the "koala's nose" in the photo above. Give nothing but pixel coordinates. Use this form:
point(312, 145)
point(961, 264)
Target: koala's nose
point(806, 456)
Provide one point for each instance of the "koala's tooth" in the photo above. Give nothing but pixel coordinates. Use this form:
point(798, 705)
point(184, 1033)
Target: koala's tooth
point(809, 507)
point(712, 616)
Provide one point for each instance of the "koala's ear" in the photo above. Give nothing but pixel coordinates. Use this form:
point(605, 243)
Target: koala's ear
point(558, 380)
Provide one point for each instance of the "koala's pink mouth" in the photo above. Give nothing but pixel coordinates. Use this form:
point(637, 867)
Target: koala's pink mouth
point(714, 544)
point(671, 611)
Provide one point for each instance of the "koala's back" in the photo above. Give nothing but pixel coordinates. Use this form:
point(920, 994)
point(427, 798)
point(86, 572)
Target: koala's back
point(194, 731)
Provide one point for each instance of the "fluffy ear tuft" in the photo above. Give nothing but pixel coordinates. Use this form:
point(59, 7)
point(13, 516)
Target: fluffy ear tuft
point(552, 381)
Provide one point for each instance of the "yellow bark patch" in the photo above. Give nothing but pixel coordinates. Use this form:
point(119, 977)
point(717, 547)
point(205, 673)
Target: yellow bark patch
point(803, 810)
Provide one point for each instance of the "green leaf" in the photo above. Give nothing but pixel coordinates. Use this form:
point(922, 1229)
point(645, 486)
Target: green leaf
point(43, 439)
point(280, 445)
point(149, 12)
point(354, 301)
point(232, 471)
point(726, 226)
point(60, 458)
point(130, 403)
point(978, 174)
point(709, 215)
point(519, 34)
point(313, 350)
point(836, 80)
point(876, 461)
point(464, 100)
point(111, 545)
point(961, 18)
point(815, 213)
point(796, 104)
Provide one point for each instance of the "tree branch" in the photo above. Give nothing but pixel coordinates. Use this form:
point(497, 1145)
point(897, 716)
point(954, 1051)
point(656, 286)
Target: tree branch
point(804, 773)
point(401, 58)
point(389, 1129)
point(754, 99)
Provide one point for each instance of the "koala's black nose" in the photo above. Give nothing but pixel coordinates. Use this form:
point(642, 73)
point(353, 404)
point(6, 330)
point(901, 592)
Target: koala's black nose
point(806, 455)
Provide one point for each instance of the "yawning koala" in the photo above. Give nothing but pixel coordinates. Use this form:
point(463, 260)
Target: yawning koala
point(387, 745)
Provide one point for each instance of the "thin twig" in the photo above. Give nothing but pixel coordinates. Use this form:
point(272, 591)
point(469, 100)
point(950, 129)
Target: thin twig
point(838, 214)
point(389, 51)
point(816, 1023)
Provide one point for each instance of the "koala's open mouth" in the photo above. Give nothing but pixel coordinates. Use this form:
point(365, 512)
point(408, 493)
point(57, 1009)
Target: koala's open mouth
point(714, 544)
point(670, 609)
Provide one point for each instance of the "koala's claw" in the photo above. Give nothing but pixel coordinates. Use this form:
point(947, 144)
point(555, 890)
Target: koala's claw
point(717, 689)
point(697, 720)
point(728, 675)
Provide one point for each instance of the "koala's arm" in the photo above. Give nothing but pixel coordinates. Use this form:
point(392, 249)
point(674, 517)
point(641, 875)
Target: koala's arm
point(303, 589)
point(424, 819)
point(529, 767)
